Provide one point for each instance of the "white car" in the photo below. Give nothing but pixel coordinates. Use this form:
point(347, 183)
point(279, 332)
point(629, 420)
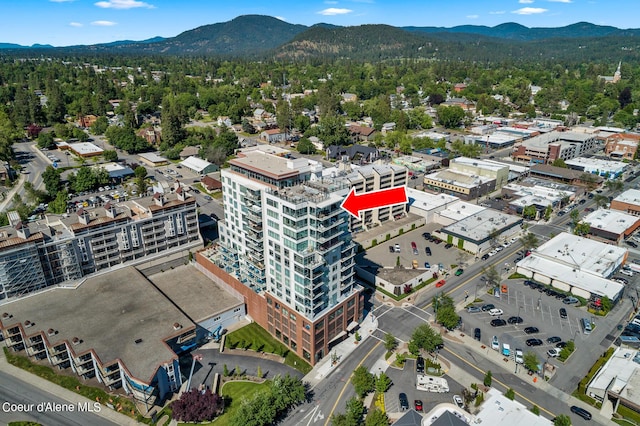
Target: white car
point(495, 312)
point(492, 253)
point(513, 240)
point(499, 248)
point(495, 344)
point(506, 244)
point(553, 352)
point(519, 356)
point(626, 272)
point(458, 401)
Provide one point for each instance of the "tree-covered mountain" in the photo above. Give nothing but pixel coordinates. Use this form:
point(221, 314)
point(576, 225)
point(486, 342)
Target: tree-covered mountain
point(513, 31)
point(265, 37)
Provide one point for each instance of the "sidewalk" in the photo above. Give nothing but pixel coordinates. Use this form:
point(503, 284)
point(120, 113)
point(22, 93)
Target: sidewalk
point(12, 192)
point(509, 365)
point(72, 397)
point(341, 351)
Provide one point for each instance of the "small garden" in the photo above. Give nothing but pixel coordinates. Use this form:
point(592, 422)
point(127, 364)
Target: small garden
point(253, 337)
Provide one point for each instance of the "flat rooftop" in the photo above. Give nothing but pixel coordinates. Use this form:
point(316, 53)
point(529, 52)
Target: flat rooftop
point(269, 164)
point(85, 148)
point(474, 162)
point(597, 164)
point(583, 253)
point(630, 196)
point(619, 369)
point(195, 294)
point(152, 157)
point(479, 226)
point(457, 178)
point(613, 221)
point(108, 313)
point(497, 410)
point(428, 201)
point(459, 210)
point(569, 274)
point(543, 140)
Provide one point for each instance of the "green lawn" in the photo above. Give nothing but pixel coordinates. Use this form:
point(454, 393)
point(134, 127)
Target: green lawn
point(234, 393)
point(254, 337)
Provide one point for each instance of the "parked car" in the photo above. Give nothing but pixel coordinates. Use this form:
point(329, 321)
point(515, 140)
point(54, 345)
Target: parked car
point(414, 263)
point(427, 265)
point(582, 201)
point(570, 300)
point(553, 352)
point(396, 248)
point(554, 339)
point(477, 334)
point(417, 403)
point(519, 356)
point(426, 235)
point(459, 272)
point(391, 249)
point(440, 283)
point(626, 272)
point(414, 248)
point(498, 322)
point(515, 320)
point(427, 251)
point(561, 345)
point(631, 243)
point(488, 307)
point(495, 344)
point(473, 309)
point(485, 256)
point(563, 313)
point(458, 401)
point(448, 245)
point(419, 365)
point(404, 402)
point(495, 312)
point(581, 412)
point(531, 330)
point(533, 342)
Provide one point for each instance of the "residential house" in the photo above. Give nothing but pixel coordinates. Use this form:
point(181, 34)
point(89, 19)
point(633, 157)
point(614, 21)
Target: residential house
point(273, 136)
point(151, 135)
point(355, 153)
point(224, 121)
point(86, 120)
point(361, 133)
point(189, 151)
point(211, 184)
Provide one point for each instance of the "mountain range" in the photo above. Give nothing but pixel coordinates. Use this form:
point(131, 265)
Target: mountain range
point(259, 37)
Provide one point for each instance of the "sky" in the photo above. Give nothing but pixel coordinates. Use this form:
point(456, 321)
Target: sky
point(72, 22)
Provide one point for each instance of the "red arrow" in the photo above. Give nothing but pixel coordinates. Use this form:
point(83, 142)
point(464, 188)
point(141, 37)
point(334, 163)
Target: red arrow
point(354, 204)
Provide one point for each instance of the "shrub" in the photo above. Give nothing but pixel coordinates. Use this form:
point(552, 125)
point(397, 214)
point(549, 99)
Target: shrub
point(479, 399)
point(197, 406)
point(401, 231)
point(487, 378)
point(511, 394)
point(388, 237)
point(374, 242)
point(535, 410)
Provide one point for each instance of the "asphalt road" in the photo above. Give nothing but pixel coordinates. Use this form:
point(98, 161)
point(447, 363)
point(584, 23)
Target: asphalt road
point(15, 391)
point(332, 393)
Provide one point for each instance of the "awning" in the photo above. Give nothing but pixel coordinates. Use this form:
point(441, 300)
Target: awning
point(339, 336)
point(352, 326)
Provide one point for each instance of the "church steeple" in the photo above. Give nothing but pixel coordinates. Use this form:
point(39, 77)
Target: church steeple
point(617, 75)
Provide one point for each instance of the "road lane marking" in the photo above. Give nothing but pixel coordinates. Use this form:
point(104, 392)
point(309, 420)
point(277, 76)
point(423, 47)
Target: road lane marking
point(347, 383)
point(499, 382)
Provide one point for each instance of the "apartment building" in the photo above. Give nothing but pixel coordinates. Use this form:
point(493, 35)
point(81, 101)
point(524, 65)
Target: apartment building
point(285, 245)
point(547, 147)
point(65, 248)
point(621, 146)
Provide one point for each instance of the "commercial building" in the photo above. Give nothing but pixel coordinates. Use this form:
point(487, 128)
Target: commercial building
point(539, 193)
point(578, 265)
point(66, 248)
point(152, 159)
point(496, 140)
point(199, 166)
point(618, 380)
point(565, 175)
point(464, 185)
point(285, 246)
point(548, 147)
point(119, 328)
point(428, 205)
point(490, 169)
point(605, 168)
point(83, 149)
point(621, 146)
point(628, 201)
point(416, 164)
point(116, 171)
point(477, 232)
point(612, 225)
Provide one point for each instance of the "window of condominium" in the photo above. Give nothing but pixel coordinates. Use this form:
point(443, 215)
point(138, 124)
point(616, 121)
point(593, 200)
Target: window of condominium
point(272, 203)
point(273, 234)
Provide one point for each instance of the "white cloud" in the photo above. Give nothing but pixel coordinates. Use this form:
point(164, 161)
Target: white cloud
point(334, 11)
point(561, 1)
point(281, 18)
point(529, 11)
point(75, 24)
point(103, 23)
point(497, 12)
point(473, 16)
point(123, 4)
point(525, 1)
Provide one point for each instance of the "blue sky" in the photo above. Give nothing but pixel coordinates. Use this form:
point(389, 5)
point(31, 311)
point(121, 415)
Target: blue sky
point(69, 22)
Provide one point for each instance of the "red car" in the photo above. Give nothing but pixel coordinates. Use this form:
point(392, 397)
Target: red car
point(418, 405)
point(440, 283)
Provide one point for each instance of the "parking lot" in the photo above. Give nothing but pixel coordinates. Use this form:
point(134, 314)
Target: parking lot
point(405, 381)
point(382, 254)
point(537, 309)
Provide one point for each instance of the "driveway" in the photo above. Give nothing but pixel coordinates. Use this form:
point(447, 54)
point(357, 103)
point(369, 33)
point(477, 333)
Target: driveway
point(213, 362)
